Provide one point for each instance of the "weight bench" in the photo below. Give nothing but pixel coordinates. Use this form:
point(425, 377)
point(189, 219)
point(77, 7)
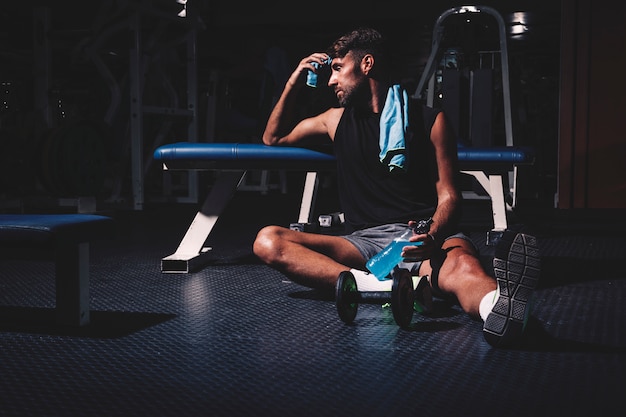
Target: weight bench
point(64, 239)
point(232, 160)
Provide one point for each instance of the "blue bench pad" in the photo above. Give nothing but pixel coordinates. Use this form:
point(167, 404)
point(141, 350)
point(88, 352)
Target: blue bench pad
point(49, 229)
point(241, 156)
point(188, 155)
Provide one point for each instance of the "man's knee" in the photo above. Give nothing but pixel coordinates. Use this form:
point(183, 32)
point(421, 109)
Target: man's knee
point(453, 265)
point(267, 243)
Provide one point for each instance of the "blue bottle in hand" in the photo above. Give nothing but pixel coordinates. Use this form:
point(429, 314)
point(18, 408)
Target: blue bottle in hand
point(384, 261)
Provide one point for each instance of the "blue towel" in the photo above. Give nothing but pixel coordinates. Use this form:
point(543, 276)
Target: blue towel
point(394, 124)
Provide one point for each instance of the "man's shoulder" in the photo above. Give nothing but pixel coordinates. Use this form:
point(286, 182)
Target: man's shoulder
point(336, 110)
point(332, 117)
point(334, 114)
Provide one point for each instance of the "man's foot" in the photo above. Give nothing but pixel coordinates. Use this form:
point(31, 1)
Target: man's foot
point(516, 267)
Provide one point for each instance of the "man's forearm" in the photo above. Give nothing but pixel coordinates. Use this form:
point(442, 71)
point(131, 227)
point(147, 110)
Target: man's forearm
point(281, 118)
point(446, 218)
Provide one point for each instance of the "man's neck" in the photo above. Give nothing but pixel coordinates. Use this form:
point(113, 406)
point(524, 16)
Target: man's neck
point(379, 95)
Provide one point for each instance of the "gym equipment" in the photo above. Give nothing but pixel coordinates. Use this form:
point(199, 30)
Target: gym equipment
point(467, 74)
point(402, 297)
point(65, 239)
point(489, 166)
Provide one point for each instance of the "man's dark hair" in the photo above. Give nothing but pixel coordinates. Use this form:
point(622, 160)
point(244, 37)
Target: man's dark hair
point(360, 42)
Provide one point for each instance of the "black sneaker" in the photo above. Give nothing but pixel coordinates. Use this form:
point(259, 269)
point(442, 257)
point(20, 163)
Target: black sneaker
point(516, 266)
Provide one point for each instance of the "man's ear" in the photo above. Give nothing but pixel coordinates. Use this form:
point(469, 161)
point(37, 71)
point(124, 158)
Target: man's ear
point(367, 63)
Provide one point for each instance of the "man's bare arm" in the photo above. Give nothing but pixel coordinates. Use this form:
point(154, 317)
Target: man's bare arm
point(282, 127)
point(449, 198)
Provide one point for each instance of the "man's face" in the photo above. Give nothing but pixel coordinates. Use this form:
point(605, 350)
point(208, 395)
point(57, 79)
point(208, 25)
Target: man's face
point(346, 79)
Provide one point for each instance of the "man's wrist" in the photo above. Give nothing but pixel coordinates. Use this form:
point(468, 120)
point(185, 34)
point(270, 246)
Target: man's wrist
point(435, 239)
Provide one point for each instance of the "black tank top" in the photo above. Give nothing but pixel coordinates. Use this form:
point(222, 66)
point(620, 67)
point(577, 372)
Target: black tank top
point(369, 194)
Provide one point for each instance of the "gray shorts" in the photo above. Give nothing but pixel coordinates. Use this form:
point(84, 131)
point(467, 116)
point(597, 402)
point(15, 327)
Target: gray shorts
point(372, 240)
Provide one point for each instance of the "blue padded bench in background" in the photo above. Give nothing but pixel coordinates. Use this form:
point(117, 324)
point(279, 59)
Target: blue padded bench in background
point(64, 239)
point(487, 165)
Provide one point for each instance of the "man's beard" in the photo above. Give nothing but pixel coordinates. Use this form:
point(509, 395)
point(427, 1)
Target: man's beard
point(355, 96)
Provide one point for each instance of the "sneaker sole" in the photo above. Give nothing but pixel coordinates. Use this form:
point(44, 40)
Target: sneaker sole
point(516, 267)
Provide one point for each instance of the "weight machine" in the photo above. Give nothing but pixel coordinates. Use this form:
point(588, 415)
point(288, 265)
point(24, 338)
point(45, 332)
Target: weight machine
point(461, 76)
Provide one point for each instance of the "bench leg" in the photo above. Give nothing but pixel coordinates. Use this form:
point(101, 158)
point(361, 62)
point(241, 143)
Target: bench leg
point(72, 284)
point(309, 194)
point(494, 186)
point(190, 249)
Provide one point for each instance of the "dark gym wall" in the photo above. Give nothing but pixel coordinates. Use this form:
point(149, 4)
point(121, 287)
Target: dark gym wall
point(592, 139)
point(232, 35)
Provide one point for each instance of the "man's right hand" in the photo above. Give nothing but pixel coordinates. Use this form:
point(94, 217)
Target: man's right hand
point(298, 77)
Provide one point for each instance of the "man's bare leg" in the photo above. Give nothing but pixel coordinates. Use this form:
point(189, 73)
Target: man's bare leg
point(458, 272)
point(503, 302)
point(309, 259)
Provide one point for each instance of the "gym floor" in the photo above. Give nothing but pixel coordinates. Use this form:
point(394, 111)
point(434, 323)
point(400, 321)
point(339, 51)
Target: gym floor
point(238, 338)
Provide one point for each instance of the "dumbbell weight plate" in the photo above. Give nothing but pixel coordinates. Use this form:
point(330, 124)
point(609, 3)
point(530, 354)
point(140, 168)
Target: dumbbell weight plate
point(346, 297)
point(402, 296)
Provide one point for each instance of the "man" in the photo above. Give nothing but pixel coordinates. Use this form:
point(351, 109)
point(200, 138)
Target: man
point(379, 201)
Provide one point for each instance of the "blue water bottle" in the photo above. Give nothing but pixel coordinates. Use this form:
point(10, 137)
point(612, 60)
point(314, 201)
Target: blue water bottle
point(311, 78)
point(384, 261)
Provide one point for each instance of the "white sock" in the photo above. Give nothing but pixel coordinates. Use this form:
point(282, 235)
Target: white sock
point(487, 303)
point(368, 282)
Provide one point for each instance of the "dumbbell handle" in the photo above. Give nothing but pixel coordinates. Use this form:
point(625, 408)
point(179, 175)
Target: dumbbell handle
point(368, 297)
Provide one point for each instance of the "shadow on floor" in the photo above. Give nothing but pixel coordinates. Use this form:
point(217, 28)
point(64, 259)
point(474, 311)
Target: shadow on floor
point(103, 324)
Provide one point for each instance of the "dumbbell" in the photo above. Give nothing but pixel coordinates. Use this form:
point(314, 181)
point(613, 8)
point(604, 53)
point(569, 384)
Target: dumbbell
point(402, 296)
